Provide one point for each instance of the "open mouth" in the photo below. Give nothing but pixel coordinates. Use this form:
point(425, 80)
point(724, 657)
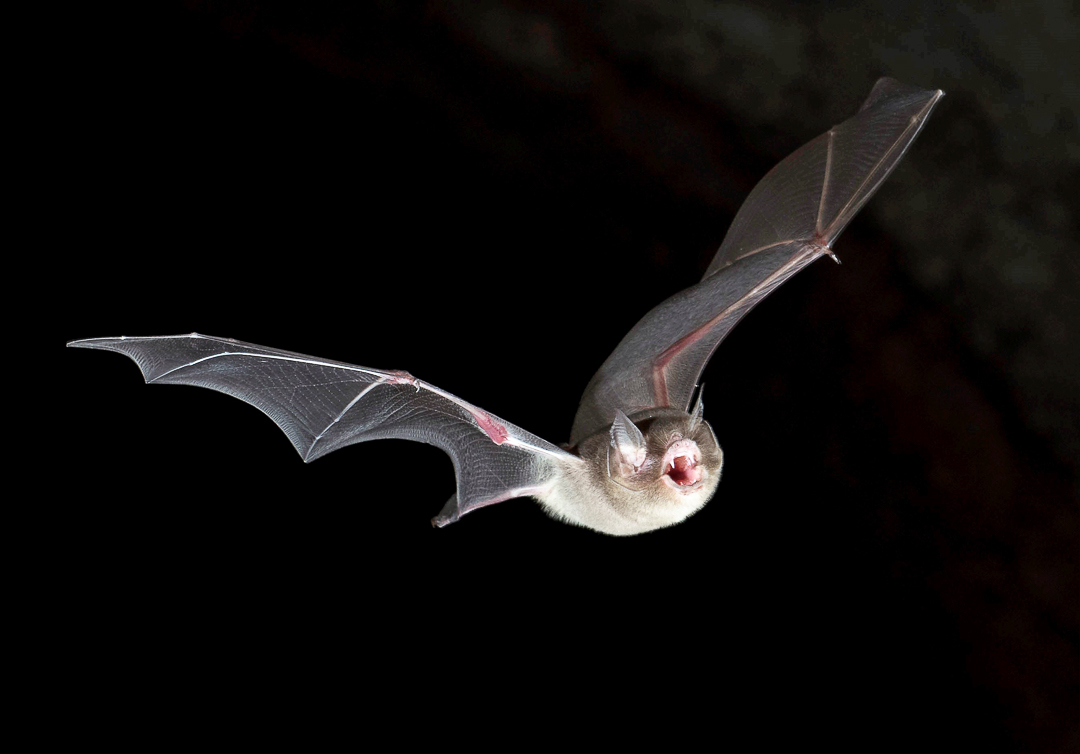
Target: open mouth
point(682, 465)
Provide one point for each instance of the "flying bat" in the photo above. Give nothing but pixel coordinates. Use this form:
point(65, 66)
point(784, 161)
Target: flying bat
point(640, 455)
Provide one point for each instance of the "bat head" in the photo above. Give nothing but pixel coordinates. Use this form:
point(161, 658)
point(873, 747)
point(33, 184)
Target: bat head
point(664, 463)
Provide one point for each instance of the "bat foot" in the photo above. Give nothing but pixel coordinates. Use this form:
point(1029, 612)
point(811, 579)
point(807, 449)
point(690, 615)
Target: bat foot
point(448, 515)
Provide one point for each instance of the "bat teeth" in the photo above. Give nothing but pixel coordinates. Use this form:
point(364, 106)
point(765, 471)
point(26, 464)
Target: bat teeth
point(681, 464)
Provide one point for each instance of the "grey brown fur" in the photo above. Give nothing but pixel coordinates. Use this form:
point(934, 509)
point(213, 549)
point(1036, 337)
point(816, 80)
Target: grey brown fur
point(586, 495)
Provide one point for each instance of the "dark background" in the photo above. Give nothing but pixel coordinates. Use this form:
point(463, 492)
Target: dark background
point(490, 195)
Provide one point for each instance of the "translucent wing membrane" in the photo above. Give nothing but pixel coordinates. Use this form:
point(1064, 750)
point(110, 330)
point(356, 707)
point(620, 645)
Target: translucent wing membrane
point(815, 191)
point(325, 405)
point(791, 218)
point(676, 339)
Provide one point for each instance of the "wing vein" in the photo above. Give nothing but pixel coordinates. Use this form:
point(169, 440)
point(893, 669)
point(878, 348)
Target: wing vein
point(337, 418)
point(825, 181)
point(313, 362)
point(901, 142)
point(766, 248)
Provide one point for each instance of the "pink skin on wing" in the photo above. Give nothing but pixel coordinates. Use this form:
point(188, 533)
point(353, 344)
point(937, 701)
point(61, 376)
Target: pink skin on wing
point(492, 428)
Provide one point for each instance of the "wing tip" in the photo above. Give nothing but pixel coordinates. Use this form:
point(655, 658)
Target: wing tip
point(111, 344)
point(887, 87)
point(100, 342)
point(91, 342)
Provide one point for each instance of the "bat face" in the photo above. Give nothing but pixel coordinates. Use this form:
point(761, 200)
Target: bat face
point(681, 458)
point(651, 470)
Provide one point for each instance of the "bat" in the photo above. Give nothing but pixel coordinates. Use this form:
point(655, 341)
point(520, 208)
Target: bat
point(640, 455)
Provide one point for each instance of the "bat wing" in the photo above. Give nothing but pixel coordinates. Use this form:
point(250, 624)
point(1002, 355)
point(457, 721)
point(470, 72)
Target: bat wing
point(791, 218)
point(325, 405)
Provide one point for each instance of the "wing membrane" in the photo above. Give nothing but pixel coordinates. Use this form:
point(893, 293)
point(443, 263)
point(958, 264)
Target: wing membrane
point(791, 218)
point(678, 337)
point(815, 191)
point(324, 405)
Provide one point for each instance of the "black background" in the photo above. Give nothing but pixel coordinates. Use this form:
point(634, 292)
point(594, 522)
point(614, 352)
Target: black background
point(489, 197)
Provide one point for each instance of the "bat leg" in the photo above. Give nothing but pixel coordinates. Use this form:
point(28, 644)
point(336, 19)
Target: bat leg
point(453, 511)
point(449, 514)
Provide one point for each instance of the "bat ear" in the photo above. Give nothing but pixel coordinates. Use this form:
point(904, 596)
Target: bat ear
point(626, 454)
point(698, 414)
point(627, 439)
